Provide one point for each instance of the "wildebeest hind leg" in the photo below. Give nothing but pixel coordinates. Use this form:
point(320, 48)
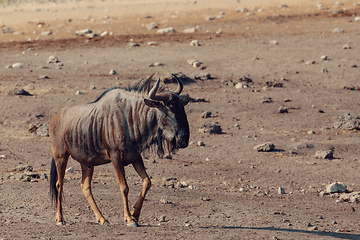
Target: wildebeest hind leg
point(87, 174)
point(61, 162)
point(140, 169)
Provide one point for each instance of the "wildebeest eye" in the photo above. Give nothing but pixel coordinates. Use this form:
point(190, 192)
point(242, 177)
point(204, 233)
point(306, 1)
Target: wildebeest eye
point(171, 106)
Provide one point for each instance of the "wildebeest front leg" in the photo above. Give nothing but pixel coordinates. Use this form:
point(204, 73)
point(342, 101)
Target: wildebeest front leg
point(87, 174)
point(140, 169)
point(124, 188)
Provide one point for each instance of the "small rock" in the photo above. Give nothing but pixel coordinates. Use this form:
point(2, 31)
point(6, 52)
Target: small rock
point(43, 130)
point(44, 176)
point(353, 197)
point(336, 187)
point(152, 43)
point(151, 25)
point(156, 64)
point(103, 33)
point(242, 9)
point(274, 42)
point(321, 7)
point(241, 85)
point(162, 219)
point(16, 176)
point(194, 63)
point(200, 143)
point(324, 57)
point(83, 32)
point(274, 84)
point(91, 35)
point(283, 109)
point(182, 184)
point(205, 199)
point(53, 59)
point(165, 201)
point(352, 87)
point(43, 77)
point(348, 122)
point(166, 30)
point(70, 170)
point(310, 62)
point(132, 44)
point(267, 100)
point(17, 91)
point(112, 72)
point(281, 190)
point(346, 46)
point(23, 168)
point(5, 30)
point(169, 179)
point(191, 61)
point(338, 30)
point(189, 30)
point(265, 147)
point(307, 224)
point(79, 93)
point(16, 65)
point(327, 154)
point(32, 174)
point(46, 33)
point(206, 114)
point(314, 228)
point(195, 43)
point(323, 193)
point(211, 128)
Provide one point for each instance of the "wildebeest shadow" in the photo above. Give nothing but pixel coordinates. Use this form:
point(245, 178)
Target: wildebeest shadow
point(340, 235)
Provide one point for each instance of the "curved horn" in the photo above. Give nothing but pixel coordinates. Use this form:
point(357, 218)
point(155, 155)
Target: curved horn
point(180, 85)
point(153, 91)
point(150, 77)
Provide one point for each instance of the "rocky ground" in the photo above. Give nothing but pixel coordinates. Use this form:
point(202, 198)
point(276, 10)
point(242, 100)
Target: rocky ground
point(285, 74)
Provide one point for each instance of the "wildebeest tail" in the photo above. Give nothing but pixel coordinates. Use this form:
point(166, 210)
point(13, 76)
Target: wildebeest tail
point(53, 179)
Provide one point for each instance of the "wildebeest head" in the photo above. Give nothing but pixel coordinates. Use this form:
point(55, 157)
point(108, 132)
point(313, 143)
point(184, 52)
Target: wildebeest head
point(173, 121)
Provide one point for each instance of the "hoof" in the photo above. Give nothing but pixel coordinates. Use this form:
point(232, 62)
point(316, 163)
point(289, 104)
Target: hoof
point(133, 224)
point(106, 222)
point(60, 223)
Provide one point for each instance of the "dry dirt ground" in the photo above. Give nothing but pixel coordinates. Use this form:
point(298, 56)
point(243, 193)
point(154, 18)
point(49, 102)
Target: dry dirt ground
point(232, 190)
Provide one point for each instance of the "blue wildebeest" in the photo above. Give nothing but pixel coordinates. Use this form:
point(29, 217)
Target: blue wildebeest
point(116, 128)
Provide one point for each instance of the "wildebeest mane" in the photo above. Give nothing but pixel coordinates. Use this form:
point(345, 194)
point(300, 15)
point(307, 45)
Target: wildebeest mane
point(140, 87)
point(143, 87)
point(103, 94)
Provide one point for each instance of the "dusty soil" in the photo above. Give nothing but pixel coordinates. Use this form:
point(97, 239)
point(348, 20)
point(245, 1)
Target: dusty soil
point(233, 189)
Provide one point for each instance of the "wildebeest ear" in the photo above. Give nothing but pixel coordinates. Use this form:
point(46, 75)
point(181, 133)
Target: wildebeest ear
point(152, 103)
point(185, 99)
